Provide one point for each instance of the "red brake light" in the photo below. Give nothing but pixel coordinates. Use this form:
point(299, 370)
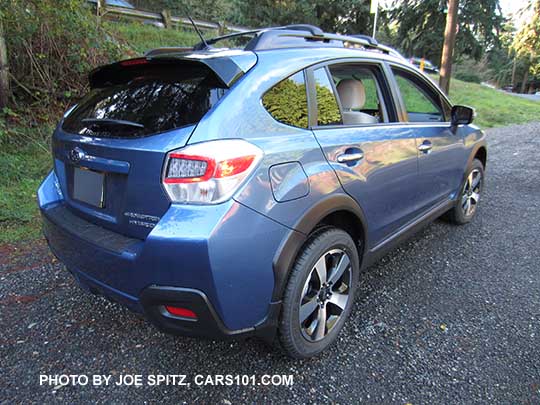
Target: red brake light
point(182, 312)
point(132, 62)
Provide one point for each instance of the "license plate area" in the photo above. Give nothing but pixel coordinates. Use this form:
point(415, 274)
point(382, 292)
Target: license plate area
point(88, 187)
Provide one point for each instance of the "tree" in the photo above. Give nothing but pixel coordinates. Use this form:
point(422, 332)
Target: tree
point(343, 16)
point(449, 43)
point(4, 78)
point(527, 45)
point(421, 26)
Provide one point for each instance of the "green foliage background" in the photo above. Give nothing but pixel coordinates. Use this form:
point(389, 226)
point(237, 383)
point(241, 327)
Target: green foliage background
point(327, 107)
point(53, 44)
point(287, 103)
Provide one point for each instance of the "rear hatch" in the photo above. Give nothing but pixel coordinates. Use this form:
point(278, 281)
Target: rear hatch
point(109, 150)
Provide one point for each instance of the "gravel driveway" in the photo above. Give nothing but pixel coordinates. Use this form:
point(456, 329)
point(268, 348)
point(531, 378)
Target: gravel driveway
point(452, 316)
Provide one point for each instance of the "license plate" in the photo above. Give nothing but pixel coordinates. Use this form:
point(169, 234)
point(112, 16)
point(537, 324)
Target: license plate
point(88, 187)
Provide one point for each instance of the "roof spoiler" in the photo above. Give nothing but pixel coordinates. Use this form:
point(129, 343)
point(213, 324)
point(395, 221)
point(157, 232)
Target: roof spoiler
point(228, 69)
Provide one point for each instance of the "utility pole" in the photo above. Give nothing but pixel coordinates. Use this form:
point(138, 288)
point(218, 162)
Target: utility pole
point(449, 43)
point(514, 73)
point(5, 91)
point(374, 9)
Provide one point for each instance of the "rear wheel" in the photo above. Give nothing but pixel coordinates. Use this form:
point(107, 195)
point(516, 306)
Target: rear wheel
point(320, 293)
point(469, 196)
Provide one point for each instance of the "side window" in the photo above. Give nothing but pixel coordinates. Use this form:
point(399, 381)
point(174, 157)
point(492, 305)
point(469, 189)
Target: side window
point(287, 101)
point(359, 88)
point(422, 103)
point(327, 107)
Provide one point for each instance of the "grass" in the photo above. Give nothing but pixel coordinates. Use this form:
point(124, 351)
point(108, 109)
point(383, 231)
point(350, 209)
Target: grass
point(494, 108)
point(24, 167)
point(142, 37)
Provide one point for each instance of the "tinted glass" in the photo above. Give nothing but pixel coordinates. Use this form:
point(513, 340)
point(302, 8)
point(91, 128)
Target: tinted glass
point(287, 101)
point(158, 102)
point(327, 107)
point(422, 104)
point(360, 92)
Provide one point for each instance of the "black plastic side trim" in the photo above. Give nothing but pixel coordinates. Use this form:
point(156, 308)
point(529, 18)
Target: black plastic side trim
point(404, 233)
point(479, 145)
point(208, 324)
point(285, 255)
point(283, 261)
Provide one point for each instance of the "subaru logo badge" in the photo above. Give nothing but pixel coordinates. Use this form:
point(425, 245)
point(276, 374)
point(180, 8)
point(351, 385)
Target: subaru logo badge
point(75, 155)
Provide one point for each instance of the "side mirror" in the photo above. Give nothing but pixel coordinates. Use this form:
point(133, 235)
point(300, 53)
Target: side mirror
point(462, 115)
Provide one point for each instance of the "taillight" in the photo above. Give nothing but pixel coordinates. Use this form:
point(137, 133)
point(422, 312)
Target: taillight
point(209, 172)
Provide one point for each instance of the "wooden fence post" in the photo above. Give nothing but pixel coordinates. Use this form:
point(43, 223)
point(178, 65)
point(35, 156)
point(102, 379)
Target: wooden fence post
point(5, 91)
point(101, 7)
point(222, 30)
point(167, 18)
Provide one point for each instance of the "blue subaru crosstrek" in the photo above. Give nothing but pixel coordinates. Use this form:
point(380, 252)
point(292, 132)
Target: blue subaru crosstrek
point(239, 191)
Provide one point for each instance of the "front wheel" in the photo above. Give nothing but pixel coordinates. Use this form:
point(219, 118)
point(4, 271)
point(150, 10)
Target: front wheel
point(469, 196)
point(320, 293)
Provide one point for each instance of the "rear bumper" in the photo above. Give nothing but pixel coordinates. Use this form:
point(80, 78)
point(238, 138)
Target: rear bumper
point(215, 260)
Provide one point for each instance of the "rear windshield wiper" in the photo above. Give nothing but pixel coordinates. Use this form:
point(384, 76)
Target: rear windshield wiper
point(111, 122)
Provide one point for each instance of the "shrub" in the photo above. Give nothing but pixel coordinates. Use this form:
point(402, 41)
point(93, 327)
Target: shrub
point(470, 70)
point(471, 77)
point(52, 44)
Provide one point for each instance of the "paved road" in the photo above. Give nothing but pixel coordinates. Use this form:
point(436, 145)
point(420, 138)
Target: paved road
point(532, 97)
point(452, 316)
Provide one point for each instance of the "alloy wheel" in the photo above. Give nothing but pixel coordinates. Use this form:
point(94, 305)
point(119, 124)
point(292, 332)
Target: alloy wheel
point(470, 195)
point(325, 294)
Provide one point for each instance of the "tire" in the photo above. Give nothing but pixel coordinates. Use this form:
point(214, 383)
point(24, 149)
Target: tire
point(323, 258)
point(469, 195)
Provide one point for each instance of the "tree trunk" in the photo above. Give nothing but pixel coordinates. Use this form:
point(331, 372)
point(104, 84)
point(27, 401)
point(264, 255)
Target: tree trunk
point(449, 43)
point(5, 91)
point(166, 18)
point(101, 9)
point(514, 74)
point(525, 80)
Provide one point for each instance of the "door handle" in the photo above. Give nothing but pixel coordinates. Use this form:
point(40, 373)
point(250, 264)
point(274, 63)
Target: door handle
point(350, 157)
point(425, 146)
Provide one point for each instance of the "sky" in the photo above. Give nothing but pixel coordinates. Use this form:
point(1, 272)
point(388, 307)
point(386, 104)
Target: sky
point(508, 7)
point(511, 7)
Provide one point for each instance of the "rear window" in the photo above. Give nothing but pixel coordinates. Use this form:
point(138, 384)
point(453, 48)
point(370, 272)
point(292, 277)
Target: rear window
point(147, 103)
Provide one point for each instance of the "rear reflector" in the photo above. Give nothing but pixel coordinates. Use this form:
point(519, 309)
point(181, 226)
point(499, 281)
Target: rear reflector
point(182, 312)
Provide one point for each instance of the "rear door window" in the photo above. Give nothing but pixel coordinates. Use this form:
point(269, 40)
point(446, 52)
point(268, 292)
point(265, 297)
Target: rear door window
point(148, 103)
point(328, 112)
point(362, 92)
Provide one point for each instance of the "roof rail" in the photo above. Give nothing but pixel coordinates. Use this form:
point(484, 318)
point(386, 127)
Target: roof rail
point(371, 40)
point(301, 35)
point(313, 30)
